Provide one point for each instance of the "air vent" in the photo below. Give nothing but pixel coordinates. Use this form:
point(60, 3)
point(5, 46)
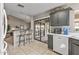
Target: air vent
point(20, 5)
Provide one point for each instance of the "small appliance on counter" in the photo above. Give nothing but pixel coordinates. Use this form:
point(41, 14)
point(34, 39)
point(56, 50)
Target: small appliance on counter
point(57, 30)
point(65, 30)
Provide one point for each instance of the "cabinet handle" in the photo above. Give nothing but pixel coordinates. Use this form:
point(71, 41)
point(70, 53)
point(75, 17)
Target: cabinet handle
point(5, 23)
point(59, 38)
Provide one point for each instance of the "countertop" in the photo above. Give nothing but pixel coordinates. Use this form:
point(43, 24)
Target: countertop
point(70, 35)
point(75, 37)
point(16, 29)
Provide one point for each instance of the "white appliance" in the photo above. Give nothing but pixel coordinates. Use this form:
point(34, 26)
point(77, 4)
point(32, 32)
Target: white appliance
point(60, 44)
point(3, 30)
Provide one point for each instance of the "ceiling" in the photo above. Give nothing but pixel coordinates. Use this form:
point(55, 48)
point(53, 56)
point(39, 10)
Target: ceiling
point(31, 9)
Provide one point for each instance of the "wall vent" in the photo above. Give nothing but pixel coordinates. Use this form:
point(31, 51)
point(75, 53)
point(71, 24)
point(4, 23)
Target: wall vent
point(20, 5)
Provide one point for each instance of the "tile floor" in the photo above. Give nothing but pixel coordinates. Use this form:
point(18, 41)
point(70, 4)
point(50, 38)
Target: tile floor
point(34, 48)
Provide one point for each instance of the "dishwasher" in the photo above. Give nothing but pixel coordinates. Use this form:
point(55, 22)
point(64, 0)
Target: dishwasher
point(60, 44)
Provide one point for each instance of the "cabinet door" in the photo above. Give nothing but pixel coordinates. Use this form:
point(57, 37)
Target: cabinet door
point(54, 19)
point(50, 20)
point(63, 18)
point(50, 41)
point(67, 18)
point(75, 49)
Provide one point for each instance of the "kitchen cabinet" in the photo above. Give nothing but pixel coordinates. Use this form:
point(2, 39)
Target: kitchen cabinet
point(63, 18)
point(60, 18)
point(73, 46)
point(50, 41)
point(60, 44)
point(54, 19)
point(75, 49)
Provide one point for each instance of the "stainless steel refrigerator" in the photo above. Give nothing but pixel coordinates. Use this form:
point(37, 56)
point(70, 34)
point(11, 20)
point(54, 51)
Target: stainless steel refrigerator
point(3, 30)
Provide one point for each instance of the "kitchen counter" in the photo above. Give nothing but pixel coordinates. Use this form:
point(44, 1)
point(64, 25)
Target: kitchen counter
point(60, 34)
point(15, 37)
point(75, 37)
point(16, 29)
point(58, 41)
point(16, 34)
point(70, 35)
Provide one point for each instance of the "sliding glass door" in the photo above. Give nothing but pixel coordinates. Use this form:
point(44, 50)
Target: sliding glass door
point(37, 31)
point(41, 28)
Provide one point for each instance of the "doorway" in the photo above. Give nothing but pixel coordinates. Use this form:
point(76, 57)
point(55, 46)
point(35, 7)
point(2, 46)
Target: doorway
point(41, 28)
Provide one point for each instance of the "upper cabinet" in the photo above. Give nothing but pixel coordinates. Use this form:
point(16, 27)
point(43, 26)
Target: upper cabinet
point(60, 18)
point(54, 19)
point(63, 18)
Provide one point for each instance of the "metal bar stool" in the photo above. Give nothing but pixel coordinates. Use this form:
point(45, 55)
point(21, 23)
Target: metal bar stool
point(28, 36)
point(21, 35)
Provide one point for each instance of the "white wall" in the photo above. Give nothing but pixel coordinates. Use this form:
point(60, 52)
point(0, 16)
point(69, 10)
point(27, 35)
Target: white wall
point(13, 21)
point(19, 15)
point(42, 15)
point(32, 28)
point(71, 18)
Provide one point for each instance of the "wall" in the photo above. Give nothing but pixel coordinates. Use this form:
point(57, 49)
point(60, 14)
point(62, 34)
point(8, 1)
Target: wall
point(42, 15)
point(19, 15)
point(32, 28)
point(71, 18)
point(13, 21)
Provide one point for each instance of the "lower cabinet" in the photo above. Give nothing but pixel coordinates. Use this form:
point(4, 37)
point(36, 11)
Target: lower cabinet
point(63, 45)
point(73, 46)
point(50, 41)
point(75, 49)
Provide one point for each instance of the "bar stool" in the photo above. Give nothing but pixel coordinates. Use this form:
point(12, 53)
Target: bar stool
point(28, 36)
point(21, 35)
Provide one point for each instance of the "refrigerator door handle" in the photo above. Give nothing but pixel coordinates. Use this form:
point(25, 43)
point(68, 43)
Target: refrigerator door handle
point(5, 32)
point(5, 16)
point(5, 48)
